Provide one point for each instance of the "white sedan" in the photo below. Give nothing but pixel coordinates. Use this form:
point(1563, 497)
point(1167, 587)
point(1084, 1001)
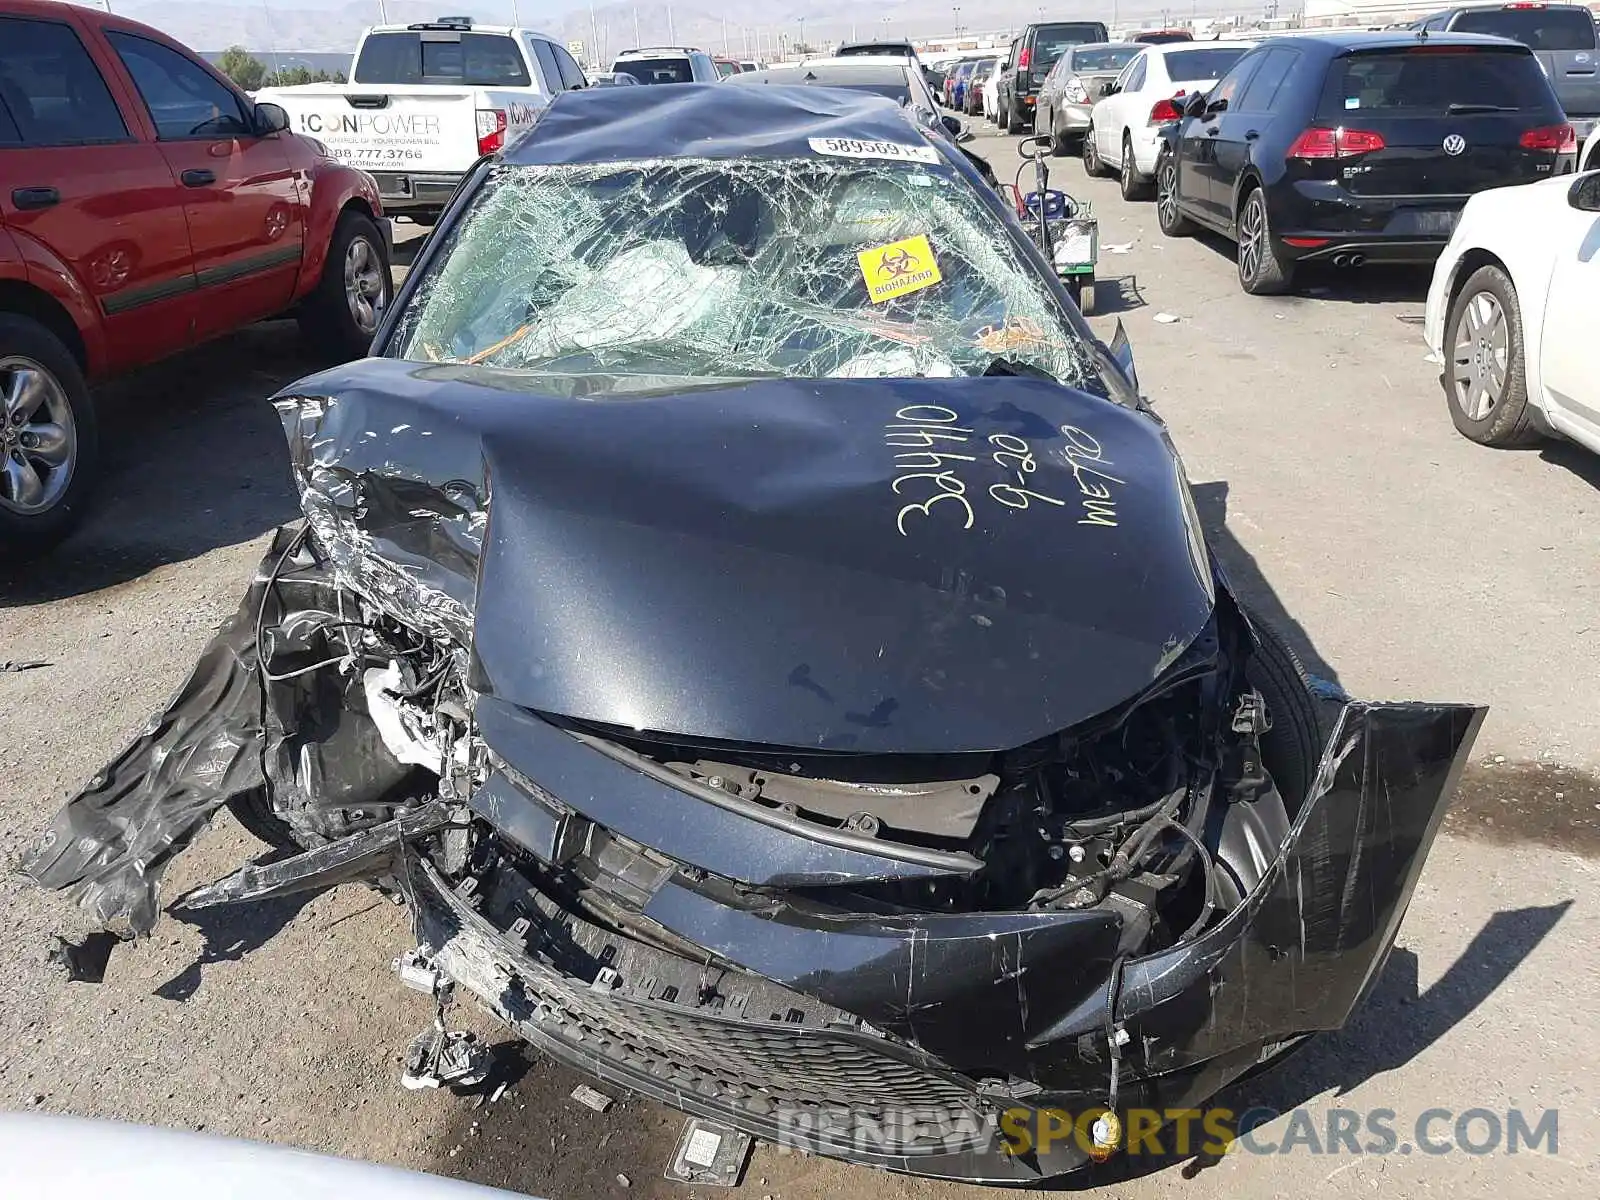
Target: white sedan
point(1511, 313)
point(1124, 124)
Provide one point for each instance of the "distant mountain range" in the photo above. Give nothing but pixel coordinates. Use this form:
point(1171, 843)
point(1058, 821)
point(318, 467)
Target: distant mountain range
point(287, 60)
point(607, 28)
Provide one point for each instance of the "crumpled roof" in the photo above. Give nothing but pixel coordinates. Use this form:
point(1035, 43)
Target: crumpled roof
point(709, 121)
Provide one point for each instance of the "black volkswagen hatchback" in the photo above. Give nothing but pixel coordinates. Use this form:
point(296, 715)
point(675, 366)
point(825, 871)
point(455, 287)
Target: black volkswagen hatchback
point(1357, 146)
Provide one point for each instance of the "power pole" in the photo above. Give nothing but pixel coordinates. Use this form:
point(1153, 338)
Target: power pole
point(672, 35)
point(637, 40)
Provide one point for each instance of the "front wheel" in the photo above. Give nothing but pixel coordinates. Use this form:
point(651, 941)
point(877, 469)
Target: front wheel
point(1168, 215)
point(1058, 143)
point(1263, 270)
point(48, 439)
point(1484, 383)
point(1292, 747)
point(341, 315)
point(1092, 166)
point(1015, 122)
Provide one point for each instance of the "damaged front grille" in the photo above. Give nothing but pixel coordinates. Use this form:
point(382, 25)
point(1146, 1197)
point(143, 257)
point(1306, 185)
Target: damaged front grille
point(701, 1038)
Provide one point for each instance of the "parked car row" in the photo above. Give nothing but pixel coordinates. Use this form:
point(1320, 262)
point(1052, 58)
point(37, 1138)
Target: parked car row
point(1344, 148)
point(1441, 142)
point(148, 205)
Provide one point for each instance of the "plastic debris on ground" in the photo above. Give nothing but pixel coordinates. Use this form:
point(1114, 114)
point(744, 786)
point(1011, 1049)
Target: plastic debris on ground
point(1166, 318)
point(709, 1154)
point(591, 1098)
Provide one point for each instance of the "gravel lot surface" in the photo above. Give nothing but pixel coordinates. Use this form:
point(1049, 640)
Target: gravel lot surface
point(1402, 560)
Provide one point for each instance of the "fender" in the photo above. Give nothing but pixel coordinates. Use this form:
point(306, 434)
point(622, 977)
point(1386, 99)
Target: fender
point(25, 259)
point(333, 188)
point(1247, 178)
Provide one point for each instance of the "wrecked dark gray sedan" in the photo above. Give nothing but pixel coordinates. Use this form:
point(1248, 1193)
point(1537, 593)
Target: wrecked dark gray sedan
point(771, 648)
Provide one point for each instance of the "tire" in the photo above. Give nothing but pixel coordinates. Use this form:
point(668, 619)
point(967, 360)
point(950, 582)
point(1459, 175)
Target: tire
point(1083, 289)
point(1092, 166)
point(1168, 215)
point(1263, 271)
point(49, 439)
point(1488, 403)
point(254, 811)
point(333, 318)
point(1058, 144)
point(1292, 748)
point(1133, 186)
point(1014, 123)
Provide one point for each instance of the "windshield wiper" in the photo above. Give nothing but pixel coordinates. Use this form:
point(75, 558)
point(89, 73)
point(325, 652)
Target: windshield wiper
point(1456, 110)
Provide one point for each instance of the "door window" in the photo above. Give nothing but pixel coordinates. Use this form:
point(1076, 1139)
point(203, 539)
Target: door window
point(1231, 84)
point(184, 100)
point(51, 93)
point(1136, 74)
point(547, 66)
point(571, 73)
point(1275, 68)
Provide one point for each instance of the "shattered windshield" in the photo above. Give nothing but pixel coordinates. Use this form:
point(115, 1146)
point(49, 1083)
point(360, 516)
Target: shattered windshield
point(738, 269)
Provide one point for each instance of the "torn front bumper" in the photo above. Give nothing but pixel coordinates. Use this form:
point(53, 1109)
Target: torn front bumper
point(861, 1038)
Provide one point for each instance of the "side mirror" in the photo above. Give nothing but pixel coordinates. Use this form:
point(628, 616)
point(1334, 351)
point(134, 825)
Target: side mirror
point(1216, 107)
point(1109, 89)
point(1584, 195)
point(956, 128)
point(1195, 106)
point(270, 119)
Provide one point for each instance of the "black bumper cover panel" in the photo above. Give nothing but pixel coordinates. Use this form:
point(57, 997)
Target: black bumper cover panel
point(963, 998)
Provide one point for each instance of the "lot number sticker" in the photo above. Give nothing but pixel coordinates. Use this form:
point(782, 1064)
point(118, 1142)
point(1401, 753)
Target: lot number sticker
point(851, 148)
point(899, 268)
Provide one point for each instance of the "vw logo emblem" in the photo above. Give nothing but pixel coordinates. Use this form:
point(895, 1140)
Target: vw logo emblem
point(1454, 144)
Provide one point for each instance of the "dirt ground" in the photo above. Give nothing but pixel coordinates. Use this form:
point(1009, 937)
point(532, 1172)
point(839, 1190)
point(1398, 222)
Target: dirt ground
point(1402, 560)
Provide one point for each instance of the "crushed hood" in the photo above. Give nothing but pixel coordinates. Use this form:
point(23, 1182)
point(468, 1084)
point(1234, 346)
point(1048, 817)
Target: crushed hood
point(884, 566)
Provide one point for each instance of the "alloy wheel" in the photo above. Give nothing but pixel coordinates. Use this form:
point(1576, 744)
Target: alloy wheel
point(38, 438)
point(1481, 356)
point(1252, 235)
point(1091, 158)
point(1167, 191)
point(364, 286)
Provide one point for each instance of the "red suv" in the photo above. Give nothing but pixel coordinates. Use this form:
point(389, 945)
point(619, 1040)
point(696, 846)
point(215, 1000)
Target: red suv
point(146, 204)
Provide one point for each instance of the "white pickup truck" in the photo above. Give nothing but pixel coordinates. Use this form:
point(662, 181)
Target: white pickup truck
point(426, 101)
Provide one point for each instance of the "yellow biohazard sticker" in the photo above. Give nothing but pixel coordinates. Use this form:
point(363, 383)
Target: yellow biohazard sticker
point(899, 268)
